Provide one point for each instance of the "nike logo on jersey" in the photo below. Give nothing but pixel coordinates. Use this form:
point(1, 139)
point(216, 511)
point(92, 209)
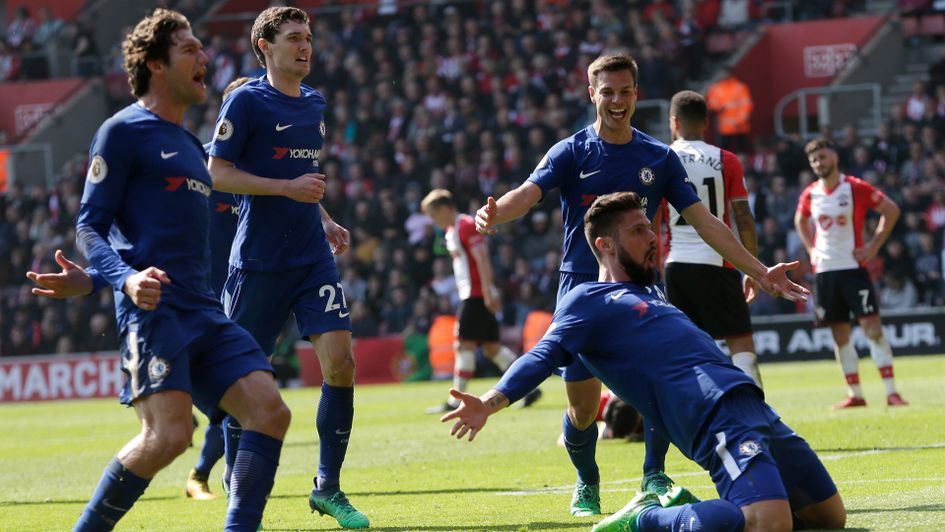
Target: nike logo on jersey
point(617, 295)
point(585, 175)
point(281, 127)
point(167, 155)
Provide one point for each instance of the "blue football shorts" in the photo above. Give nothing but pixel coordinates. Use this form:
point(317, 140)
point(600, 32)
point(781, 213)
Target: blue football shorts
point(262, 301)
point(753, 456)
point(198, 351)
point(575, 371)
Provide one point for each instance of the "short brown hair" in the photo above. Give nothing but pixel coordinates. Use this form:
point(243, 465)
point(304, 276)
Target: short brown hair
point(818, 143)
point(611, 63)
point(602, 217)
point(235, 84)
point(267, 25)
point(688, 107)
point(438, 197)
point(150, 40)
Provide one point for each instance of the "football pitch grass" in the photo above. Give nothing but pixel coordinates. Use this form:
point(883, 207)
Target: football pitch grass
point(406, 473)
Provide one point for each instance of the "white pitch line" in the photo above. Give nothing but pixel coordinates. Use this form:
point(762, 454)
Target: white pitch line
point(830, 457)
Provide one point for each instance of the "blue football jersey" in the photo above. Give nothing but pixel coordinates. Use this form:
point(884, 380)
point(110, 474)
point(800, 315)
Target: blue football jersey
point(224, 215)
point(648, 353)
point(584, 167)
point(149, 177)
point(269, 134)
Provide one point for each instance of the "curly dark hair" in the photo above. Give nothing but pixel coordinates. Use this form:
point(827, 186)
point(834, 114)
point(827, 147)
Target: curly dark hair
point(150, 40)
point(267, 25)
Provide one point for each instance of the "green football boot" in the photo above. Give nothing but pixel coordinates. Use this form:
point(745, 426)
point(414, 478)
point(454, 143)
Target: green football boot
point(586, 500)
point(669, 494)
point(337, 506)
point(626, 520)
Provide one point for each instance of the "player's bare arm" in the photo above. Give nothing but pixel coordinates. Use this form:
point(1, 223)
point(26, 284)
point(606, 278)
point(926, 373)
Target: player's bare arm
point(473, 412)
point(72, 281)
point(511, 206)
point(745, 224)
point(306, 188)
point(888, 216)
point(805, 233)
point(481, 253)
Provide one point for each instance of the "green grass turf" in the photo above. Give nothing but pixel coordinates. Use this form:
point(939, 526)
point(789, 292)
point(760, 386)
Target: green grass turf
point(405, 472)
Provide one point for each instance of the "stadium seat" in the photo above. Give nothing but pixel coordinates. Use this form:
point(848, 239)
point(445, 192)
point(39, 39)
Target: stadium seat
point(720, 43)
point(910, 26)
point(932, 25)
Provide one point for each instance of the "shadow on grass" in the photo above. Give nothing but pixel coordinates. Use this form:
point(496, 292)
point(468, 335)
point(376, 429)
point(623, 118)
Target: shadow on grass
point(407, 492)
point(82, 501)
point(911, 448)
point(917, 508)
point(537, 525)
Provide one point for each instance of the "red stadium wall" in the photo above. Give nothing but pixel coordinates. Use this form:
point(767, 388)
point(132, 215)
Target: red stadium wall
point(24, 103)
point(377, 361)
point(799, 55)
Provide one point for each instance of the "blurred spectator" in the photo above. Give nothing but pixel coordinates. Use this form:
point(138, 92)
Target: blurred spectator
point(9, 63)
point(21, 28)
point(730, 100)
point(898, 293)
point(48, 29)
point(84, 51)
point(937, 75)
point(916, 103)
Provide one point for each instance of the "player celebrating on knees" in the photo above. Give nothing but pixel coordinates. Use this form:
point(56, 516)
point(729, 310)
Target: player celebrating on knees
point(837, 204)
point(147, 179)
point(607, 156)
point(698, 280)
point(269, 135)
point(652, 356)
point(475, 323)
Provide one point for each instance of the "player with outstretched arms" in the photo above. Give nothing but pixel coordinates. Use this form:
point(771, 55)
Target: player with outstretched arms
point(652, 356)
point(268, 140)
point(607, 156)
point(698, 280)
point(836, 206)
point(143, 224)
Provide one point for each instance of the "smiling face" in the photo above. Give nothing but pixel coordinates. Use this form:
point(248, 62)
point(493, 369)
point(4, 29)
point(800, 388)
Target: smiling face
point(290, 53)
point(615, 97)
point(186, 69)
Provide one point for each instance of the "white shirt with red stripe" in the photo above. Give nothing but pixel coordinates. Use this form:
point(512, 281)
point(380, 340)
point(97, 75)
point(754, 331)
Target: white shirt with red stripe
point(839, 216)
point(718, 178)
point(461, 237)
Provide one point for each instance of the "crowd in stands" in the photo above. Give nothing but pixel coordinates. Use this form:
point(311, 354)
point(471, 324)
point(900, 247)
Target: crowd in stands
point(469, 97)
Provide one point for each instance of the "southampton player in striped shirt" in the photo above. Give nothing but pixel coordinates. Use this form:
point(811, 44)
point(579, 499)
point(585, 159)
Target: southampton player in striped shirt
point(836, 206)
point(652, 356)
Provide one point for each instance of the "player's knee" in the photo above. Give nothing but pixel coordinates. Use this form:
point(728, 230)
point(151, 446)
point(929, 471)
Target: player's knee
point(340, 371)
point(874, 333)
point(581, 416)
point(279, 417)
point(768, 519)
point(168, 443)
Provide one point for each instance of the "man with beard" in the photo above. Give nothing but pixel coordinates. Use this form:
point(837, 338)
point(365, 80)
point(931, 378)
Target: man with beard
point(652, 356)
point(838, 205)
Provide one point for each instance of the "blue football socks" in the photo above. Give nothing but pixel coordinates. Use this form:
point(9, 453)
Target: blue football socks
point(654, 457)
point(231, 443)
point(716, 515)
point(333, 421)
point(212, 449)
point(582, 448)
point(251, 480)
point(116, 493)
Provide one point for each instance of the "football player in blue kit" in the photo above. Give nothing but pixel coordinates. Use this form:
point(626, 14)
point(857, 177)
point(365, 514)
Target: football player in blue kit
point(610, 156)
point(767, 476)
point(147, 180)
point(268, 139)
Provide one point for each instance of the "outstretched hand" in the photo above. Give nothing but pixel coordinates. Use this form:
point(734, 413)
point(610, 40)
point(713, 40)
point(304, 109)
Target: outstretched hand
point(777, 283)
point(72, 281)
point(486, 217)
point(470, 417)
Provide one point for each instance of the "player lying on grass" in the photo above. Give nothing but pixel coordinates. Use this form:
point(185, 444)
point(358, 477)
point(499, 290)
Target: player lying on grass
point(652, 356)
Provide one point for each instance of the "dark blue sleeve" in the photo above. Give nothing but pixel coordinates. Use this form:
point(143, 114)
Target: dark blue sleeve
point(679, 193)
point(98, 282)
point(91, 236)
point(555, 167)
point(532, 368)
